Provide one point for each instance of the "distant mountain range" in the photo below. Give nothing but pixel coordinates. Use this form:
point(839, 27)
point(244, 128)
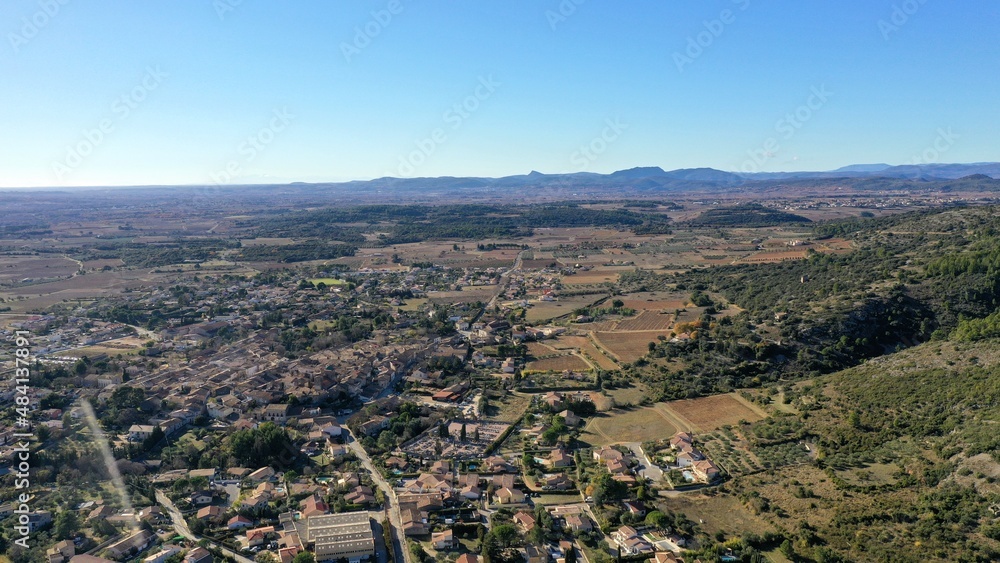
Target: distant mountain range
point(857, 179)
point(654, 178)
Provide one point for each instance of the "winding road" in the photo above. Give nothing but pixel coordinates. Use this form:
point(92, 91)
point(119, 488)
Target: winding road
point(181, 527)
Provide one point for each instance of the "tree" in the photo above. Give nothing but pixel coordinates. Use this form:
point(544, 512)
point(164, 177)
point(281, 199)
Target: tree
point(417, 551)
point(67, 525)
point(501, 543)
point(658, 519)
point(570, 555)
point(617, 303)
point(304, 557)
point(462, 435)
point(443, 431)
point(787, 550)
point(607, 488)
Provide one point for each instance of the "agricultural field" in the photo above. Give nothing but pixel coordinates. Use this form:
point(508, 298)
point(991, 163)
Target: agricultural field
point(706, 414)
point(584, 345)
point(591, 277)
point(541, 311)
point(24, 269)
point(647, 320)
point(566, 362)
point(628, 346)
point(636, 425)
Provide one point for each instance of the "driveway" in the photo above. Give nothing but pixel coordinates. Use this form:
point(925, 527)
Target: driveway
point(649, 471)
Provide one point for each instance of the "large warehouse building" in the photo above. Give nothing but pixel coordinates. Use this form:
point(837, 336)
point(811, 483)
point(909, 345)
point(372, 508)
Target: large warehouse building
point(335, 536)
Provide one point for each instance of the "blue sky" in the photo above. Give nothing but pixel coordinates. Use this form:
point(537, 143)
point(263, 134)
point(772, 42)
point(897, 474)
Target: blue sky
point(230, 91)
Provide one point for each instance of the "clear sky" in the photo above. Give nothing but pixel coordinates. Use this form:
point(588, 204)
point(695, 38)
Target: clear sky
point(199, 91)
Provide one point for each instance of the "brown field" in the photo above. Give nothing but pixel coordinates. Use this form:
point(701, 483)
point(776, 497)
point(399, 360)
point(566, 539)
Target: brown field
point(466, 295)
point(538, 263)
point(124, 346)
point(627, 346)
point(638, 425)
point(717, 513)
point(33, 298)
point(537, 349)
point(569, 362)
point(591, 277)
point(585, 346)
point(13, 269)
point(710, 413)
point(648, 320)
point(545, 310)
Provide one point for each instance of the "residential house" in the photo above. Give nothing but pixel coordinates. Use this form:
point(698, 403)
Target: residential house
point(635, 508)
point(139, 432)
point(199, 498)
point(509, 496)
point(570, 418)
point(705, 470)
point(559, 458)
point(199, 555)
point(262, 474)
point(525, 521)
point(60, 552)
point(578, 523)
point(607, 453)
point(167, 551)
point(257, 536)
point(443, 540)
point(276, 413)
point(630, 542)
point(313, 506)
point(131, 545)
point(239, 522)
point(210, 513)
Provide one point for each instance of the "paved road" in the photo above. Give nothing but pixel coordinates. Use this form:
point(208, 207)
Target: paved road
point(181, 527)
point(391, 503)
point(503, 280)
